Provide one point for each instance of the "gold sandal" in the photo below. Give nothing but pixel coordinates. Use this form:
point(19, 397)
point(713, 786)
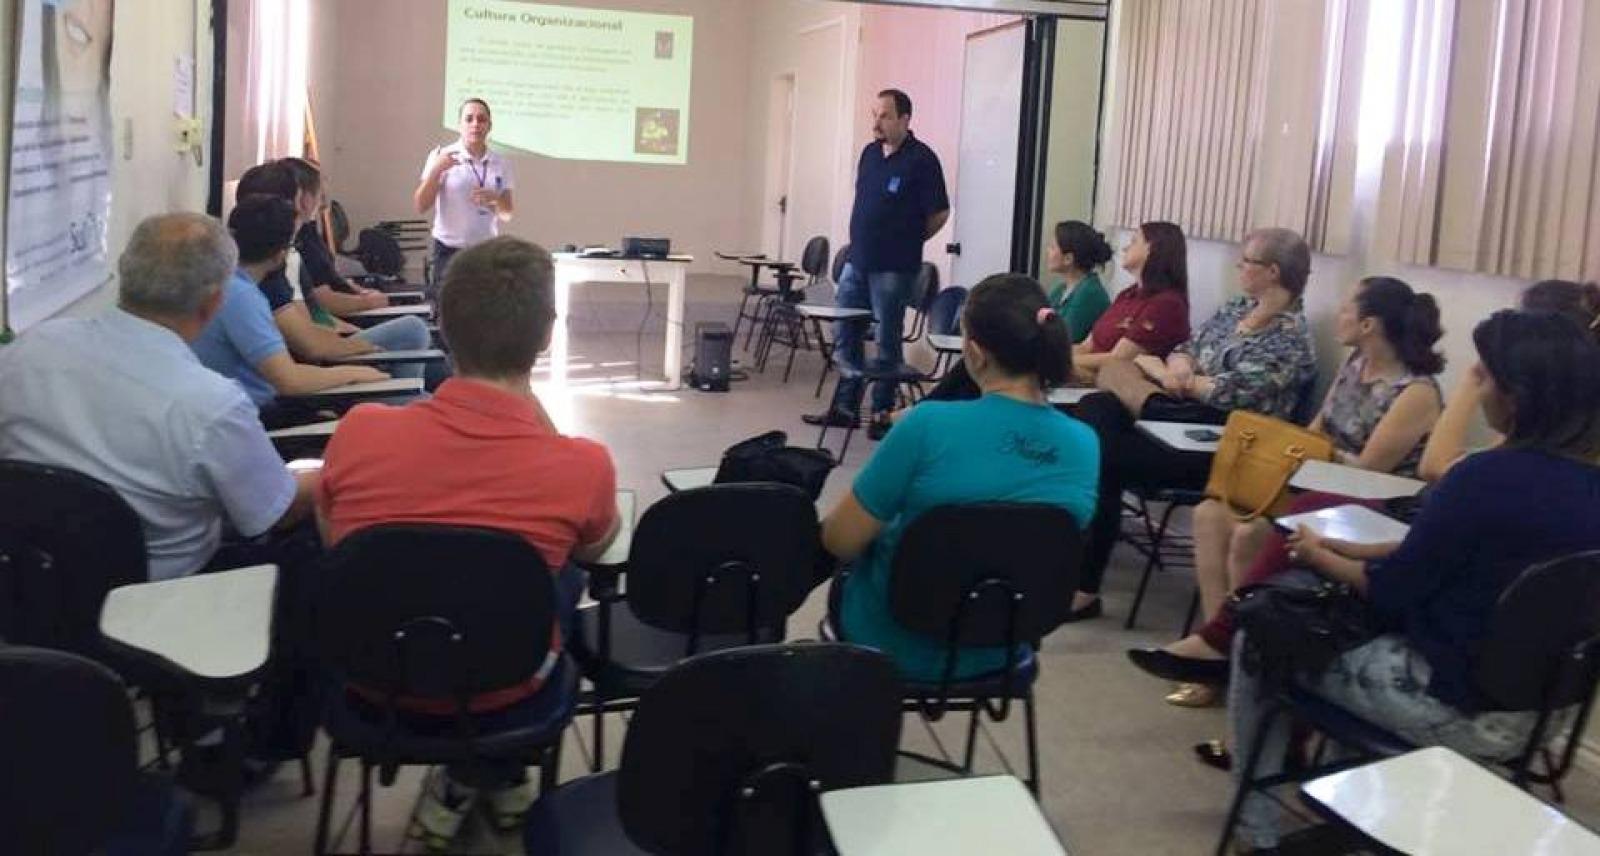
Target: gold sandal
point(1194, 695)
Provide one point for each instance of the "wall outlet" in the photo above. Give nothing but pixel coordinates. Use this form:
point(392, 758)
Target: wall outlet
point(187, 135)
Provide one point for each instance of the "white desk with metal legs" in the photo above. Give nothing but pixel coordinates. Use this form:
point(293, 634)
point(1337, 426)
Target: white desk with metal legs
point(573, 269)
point(987, 814)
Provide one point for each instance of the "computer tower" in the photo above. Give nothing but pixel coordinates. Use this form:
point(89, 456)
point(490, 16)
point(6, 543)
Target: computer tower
point(713, 357)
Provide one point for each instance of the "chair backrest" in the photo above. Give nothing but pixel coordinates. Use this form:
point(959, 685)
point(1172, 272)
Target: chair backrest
point(68, 759)
point(1306, 403)
point(442, 612)
point(944, 314)
point(814, 261)
point(728, 558)
point(923, 293)
point(840, 259)
point(340, 222)
point(65, 541)
point(986, 574)
point(723, 751)
point(1544, 637)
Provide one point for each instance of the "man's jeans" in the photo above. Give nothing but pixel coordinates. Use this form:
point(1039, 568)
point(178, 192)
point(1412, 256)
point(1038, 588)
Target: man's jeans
point(886, 293)
point(408, 333)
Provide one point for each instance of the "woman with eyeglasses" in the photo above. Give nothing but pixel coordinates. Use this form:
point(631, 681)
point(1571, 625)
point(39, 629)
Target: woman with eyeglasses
point(1254, 354)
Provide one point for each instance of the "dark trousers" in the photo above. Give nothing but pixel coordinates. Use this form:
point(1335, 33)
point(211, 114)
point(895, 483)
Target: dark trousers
point(1128, 458)
point(442, 254)
point(956, 385)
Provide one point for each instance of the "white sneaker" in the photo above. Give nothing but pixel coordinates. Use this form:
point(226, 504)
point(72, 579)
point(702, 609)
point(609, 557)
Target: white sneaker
point(441, 809)
point(508, 806)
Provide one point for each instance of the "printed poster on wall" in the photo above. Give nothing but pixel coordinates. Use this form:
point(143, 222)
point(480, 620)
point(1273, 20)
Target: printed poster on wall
point(61, 150)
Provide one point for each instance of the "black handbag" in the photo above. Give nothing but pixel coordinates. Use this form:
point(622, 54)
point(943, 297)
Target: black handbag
point(769, 458)
point(1295, 631)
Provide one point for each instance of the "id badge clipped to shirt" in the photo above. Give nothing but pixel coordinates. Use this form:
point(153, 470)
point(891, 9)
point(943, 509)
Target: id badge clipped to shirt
point(894, 185)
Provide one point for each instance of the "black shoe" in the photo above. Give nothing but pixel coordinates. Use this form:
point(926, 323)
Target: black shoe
point(1214, 754)
point(830, 418)
point(1095, 609)
point(879, 428)
point(204, 770)
point(1189, 670)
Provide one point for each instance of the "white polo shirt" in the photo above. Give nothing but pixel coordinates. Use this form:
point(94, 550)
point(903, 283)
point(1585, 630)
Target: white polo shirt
point(125, 401)
point(458, 221)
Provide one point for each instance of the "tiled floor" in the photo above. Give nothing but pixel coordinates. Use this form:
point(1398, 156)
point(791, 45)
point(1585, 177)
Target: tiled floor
point(1118, 774)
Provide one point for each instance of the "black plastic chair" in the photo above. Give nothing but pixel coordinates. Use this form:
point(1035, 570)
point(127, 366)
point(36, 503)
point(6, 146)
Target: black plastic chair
point(1542, 653)
point(66, 540)
point(431, 612)
point(989, 575)
point(710, 568)
point(783, 325)
point(1161, 548)
point(70, 759)
point(944, 319)
point(726, 755)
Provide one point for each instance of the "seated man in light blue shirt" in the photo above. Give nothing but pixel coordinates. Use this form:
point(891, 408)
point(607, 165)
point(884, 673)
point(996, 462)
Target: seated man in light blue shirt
point(1008, 446)
point(121, 398)
point(242, 342)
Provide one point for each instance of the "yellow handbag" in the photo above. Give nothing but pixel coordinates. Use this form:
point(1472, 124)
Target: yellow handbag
point(1255, 460)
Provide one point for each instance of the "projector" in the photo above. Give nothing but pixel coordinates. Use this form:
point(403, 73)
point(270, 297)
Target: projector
point(646, 248)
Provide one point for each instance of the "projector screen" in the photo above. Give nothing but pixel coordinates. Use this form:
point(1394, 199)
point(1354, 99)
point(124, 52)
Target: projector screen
point(573, 83)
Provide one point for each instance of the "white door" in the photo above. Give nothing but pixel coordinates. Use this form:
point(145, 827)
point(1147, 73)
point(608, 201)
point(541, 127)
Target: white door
point(985, 200)
point(819, 109)
point(780, 167)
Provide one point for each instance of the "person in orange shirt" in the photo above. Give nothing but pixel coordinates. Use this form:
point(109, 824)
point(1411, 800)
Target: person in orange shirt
point(505, 466)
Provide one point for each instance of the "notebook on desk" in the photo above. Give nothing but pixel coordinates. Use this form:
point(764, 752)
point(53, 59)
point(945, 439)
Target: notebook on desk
point(1356, 524)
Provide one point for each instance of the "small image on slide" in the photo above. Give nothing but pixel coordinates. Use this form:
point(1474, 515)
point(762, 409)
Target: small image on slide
point(655, 131)
point(665, 42)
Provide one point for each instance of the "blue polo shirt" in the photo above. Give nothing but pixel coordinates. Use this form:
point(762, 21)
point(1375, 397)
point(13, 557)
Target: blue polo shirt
point(240, 337)
point(895, 196)
point(993, 449)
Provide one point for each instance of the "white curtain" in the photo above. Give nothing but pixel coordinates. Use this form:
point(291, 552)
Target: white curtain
point(275, 77)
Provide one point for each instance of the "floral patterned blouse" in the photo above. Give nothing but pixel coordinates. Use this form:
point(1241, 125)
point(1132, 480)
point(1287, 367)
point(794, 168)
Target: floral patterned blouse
point(1354, 409)
point(1265, 371)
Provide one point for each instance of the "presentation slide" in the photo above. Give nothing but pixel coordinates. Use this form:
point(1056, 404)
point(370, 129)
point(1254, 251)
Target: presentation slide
point(573, 83)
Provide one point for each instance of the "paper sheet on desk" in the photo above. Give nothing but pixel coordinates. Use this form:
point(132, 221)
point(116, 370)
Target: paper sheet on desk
point(1356, 524)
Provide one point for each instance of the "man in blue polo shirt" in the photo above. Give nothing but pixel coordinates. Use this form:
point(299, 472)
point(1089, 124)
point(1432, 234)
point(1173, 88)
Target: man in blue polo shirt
point(900, 203)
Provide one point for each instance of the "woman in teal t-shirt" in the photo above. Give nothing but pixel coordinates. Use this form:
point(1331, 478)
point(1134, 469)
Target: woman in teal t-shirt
point(1009, 445)
point(1077, 254)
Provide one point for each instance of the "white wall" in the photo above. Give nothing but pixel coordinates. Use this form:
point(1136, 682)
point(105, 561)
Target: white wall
point(150, 177)
point(377, 82)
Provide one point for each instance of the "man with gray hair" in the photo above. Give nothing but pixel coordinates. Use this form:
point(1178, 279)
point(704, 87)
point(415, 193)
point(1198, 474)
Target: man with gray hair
point(121, 398)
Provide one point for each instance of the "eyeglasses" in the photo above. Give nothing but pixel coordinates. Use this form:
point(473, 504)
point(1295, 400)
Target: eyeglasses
point(1246, 260)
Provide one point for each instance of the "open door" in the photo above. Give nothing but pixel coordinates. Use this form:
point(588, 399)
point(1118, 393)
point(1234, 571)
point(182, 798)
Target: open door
point(985, 203)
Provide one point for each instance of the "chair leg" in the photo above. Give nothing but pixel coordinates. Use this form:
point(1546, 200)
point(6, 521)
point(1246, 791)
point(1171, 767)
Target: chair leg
point(739, 318)
point(325, 813)
point(1150, 563)
point(972, 740)
point(366, 808)
point(598, 760)
point(550, 768)
point(1032, 739)
point(1247, 778)
point(1194, 612)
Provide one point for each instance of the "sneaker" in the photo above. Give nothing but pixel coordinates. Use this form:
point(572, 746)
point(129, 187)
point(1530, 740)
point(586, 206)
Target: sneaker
point(507, 806)
point(440, 812)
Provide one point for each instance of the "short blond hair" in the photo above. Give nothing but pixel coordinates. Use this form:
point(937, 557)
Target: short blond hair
point(497, 306)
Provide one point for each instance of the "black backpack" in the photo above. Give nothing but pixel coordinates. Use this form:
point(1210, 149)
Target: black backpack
point(769, 458)
point(379, 252)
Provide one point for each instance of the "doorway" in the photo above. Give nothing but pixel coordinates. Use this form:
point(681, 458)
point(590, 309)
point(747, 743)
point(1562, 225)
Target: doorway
point(780, 166)
point(985, 202)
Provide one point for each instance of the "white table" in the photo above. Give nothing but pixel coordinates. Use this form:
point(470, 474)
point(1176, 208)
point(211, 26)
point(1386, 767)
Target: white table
point(956, 817)
point(574, 269)
point(688, 478)
point(1434, 801)
point(1070, 394)
point(387, 312)
point(313, 429)
point(214, 627)
point(424, 355)
point(392, 386)
point(1174, 435)
point(621, 546)
point(1353, 481)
